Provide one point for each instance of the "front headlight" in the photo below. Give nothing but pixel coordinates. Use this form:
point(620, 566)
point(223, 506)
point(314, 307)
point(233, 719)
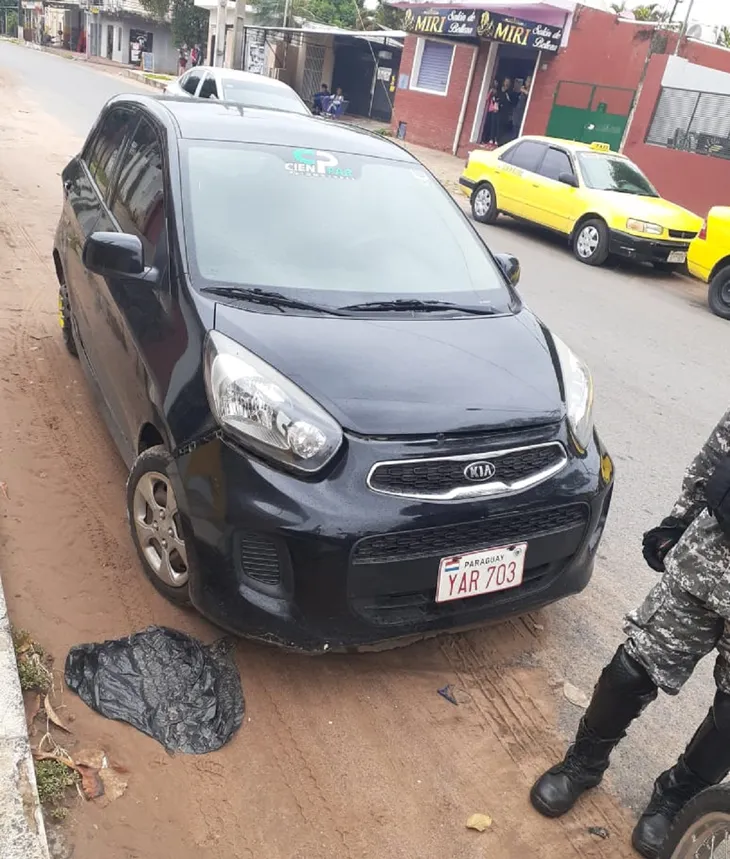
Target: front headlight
point(264, 410)
point(578, 386)
point(644, 227)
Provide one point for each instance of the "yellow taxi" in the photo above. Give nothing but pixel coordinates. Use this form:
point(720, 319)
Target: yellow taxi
point(709, 259)
point(599, 199)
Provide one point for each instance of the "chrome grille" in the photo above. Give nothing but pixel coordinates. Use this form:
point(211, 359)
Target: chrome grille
point(445, 478)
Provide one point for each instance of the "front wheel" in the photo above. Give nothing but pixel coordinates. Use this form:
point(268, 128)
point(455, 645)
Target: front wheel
point(65, 319)
point(484, 204)
point(702, 828)
point(590, 242)
point(154, 520)
point(719, 295)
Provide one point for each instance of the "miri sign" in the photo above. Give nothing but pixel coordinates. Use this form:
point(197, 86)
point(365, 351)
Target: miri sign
point(477, 23)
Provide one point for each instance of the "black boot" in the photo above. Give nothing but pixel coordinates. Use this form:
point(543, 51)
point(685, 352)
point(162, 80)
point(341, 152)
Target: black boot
point(706, 761)
point(623, 690)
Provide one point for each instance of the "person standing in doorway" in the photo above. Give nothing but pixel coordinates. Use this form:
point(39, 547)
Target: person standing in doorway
point(683, 619)
point(491, 130)
point(522, 96)
point(506, 101)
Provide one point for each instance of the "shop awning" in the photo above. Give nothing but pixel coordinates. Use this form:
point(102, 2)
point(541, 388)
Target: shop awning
point(553, 13)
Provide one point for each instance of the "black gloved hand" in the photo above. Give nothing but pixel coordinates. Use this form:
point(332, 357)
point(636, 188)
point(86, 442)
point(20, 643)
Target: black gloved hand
point(659, 541)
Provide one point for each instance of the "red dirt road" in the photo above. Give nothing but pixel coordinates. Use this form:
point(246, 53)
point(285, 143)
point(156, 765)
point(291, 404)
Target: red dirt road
point(339, 757)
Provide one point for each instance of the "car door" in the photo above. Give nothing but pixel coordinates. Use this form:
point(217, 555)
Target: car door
point(517, 173)
point(556, 203)
point(190, 82)
point(87, 182)
point(142, 310)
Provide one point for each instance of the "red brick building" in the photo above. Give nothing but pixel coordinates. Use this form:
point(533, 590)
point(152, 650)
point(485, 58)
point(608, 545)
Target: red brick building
point(611, 79)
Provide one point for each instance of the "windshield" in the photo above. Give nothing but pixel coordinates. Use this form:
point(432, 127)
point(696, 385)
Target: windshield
point(331, 228)
point(255, 94)
point(604, 173)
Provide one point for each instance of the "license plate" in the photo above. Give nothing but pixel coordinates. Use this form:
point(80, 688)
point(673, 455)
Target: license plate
point(476, 573)
point(677, 256)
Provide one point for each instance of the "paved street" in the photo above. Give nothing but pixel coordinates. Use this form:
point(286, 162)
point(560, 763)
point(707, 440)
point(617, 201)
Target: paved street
point(337, 745)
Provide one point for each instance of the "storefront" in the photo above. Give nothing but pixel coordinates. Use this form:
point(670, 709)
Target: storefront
point(467, 74)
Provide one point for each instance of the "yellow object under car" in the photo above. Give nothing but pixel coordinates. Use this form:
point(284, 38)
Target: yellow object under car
point(709, 259)
point(599, 199)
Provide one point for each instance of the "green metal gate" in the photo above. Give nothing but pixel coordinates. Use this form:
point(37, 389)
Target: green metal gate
point(590, 113)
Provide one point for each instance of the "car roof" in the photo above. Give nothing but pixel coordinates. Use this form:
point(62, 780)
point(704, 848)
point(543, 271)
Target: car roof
point(195, 119)
point(250, 77)
point(570, 145)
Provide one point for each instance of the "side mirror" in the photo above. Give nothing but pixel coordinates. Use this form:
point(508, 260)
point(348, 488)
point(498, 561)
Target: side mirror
point(568, 179)
point(114, 254)
point(510, 265)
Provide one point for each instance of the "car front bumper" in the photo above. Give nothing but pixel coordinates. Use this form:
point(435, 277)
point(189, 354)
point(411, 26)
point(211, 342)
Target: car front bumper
point(645, 250)
point(331, 565)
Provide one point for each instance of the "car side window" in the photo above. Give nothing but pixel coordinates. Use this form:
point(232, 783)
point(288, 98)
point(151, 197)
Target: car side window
point(556, 161)
point(190, 84)
point(139, 201)
point(509, 153)
point(209, 88)
point(528, 155)
point(104, 153)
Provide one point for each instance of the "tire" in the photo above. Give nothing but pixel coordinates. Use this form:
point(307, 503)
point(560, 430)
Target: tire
point(484, 204)
point(65, 318)
point(590, 242)
point(718, 296)
point(695, 822)
point(154, 520)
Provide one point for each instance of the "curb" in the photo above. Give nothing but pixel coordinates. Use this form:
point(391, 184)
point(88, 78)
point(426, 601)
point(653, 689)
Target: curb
point(22, 831)
point(142, 78)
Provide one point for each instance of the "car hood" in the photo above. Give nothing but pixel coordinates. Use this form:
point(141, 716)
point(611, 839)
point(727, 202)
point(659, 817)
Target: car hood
point(394, 377)
point(655, 211)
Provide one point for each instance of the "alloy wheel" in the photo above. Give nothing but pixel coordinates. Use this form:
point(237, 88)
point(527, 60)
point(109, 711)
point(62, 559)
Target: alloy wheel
point(708, 838)
point(156, 520)
point(482, 202)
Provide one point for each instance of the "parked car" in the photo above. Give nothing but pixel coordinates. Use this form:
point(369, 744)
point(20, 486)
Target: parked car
point(342, 425)
point(597, 198)
point(709, 259)
point(244, 88)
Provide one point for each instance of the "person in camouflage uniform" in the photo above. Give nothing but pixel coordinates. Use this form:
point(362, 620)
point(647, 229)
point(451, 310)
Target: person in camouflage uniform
point(684, 617)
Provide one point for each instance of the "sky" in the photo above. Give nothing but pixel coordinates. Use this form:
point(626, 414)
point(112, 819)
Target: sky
point(706, 11)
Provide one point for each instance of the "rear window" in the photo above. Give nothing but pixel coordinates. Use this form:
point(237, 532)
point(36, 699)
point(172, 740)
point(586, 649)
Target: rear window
point(341, 228)
point(255, 94)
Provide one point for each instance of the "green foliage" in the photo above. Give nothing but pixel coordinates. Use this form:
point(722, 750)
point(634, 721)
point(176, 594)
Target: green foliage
point(32, 663)
point(350, 14)
point(157, 8)
point(388, 17)
point(723, 37)
point(53, 778)
point(189, 23)
point(650, 12)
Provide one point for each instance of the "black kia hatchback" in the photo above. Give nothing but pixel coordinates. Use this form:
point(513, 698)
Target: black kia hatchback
point(342, 425)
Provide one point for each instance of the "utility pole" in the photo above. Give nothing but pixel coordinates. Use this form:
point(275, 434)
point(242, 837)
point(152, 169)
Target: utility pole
point(239, 36)
point(287, 13)
point(21, 34)
point(221, 22)
point(683, 29)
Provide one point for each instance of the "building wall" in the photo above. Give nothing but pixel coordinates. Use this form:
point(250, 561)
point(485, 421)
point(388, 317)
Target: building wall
point(697, 182)
point(165, 53)
point(432, 118)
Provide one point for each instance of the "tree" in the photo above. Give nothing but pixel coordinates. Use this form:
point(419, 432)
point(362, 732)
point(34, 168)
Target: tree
point(650, 12)
point(618, 8)
point(158, 9)
point(189, 23)
point(349, 14)
point(388, 17)
point(723, 37)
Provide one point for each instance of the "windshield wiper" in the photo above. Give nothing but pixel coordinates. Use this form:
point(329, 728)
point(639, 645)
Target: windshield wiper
point(269, 298)
point(421, 305)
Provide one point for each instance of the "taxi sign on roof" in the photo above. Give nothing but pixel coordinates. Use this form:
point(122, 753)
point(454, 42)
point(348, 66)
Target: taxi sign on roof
point(601, 147)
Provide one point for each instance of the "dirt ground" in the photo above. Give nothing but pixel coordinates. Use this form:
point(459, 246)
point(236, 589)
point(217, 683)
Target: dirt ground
point(338, 757)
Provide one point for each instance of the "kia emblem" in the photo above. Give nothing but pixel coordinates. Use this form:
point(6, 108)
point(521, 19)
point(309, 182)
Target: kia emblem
point(478, 472)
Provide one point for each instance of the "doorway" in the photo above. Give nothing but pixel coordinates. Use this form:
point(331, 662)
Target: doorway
point(110, 41)
point(518, 66)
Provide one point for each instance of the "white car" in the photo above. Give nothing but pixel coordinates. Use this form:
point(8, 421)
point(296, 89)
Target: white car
point(244, 88)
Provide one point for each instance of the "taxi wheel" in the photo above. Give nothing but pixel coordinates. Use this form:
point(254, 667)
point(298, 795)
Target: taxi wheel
point(484, 204)
point(719, 294)
point(590, 242)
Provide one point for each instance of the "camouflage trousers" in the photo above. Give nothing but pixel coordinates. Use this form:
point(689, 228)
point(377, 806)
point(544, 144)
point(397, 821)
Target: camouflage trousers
point(687, 614)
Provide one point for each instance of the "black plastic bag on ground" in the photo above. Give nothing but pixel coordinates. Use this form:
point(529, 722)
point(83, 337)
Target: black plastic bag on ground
point(184, 694)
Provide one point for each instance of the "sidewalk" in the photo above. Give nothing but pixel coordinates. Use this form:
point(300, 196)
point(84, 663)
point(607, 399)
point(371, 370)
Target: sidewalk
point(22, 833)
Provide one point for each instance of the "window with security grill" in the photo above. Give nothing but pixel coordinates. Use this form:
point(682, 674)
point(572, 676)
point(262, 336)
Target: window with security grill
point(434, 66)
point(691, 121)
